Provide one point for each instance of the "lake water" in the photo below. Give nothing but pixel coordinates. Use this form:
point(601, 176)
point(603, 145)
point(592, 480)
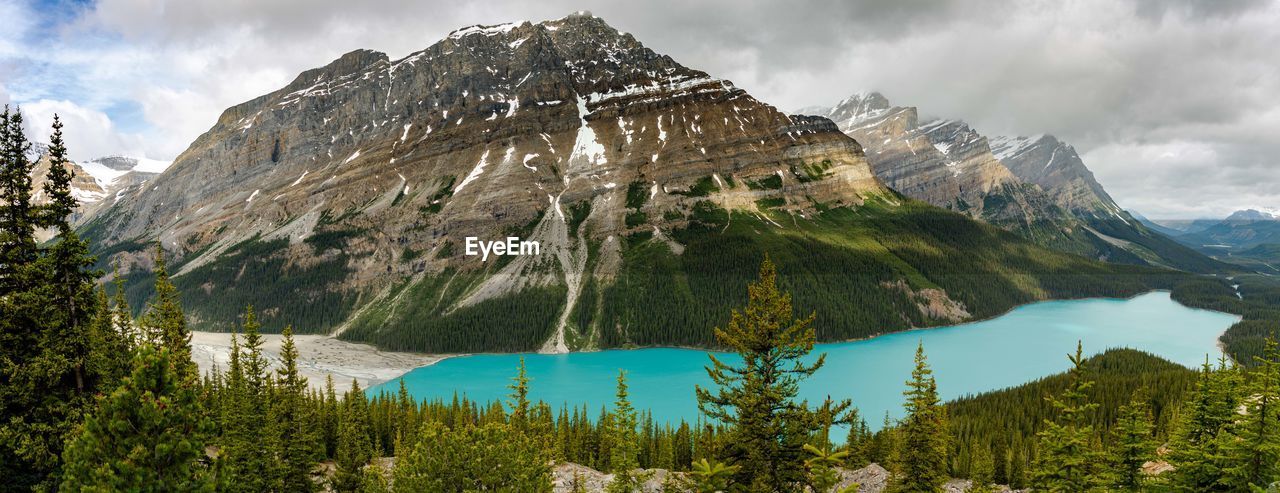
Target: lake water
point(1029, 342)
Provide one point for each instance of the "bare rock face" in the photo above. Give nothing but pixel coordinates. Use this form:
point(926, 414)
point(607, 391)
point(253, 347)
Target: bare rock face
point(1055, 167)
point(943, 162)
point(948, 164)
point(1037, 187)
point(539, 129)
point(83, 186)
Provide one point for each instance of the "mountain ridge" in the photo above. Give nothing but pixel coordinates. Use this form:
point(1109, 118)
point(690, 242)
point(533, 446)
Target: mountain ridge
point(1035, 186)
point(339, 203)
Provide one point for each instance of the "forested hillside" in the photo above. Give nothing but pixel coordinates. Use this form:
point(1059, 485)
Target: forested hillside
point(884, 266)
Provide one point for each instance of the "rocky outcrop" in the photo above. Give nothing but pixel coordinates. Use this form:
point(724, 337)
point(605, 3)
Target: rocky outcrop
point(568, 477)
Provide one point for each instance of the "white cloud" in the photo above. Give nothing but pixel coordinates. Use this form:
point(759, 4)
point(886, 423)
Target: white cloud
point(89, 133)
point(1117, 79)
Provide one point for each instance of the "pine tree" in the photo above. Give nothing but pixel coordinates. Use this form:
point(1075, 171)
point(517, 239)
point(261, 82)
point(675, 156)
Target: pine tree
point(144, 437)
point(758, 398)
point(299, 444)
point(520, 398)
point(682, 449)
point(18, 216)
point(858, 442)
point(329, 417)
point(922, 452)
point(354, 449)
point(822, 464)
point(1000, 462)
point(248, 448)
point(982, 470)
point(489, 457)
point(51, 343)
point(623, 460)
point(164, 321)
point(407, 421)
point(108, 343)
point(1200, 437)
point(1132, 444)
point(1253, 451)
point(1068, 460)
point(1017, 468)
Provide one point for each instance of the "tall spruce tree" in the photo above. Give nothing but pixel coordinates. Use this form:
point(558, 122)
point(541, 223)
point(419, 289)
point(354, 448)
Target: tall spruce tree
point(248, 447)
point(143, 437)
point(981, 470)
point(922, 453)
point(623, 453)
point(18, 218)
point(355, 449)
point(758, 398)
point(1132, 445)
point(291, 422)
point(164, 321)
point(1253, 451)
point(519, 401)
point(25, 457)
point(1200, 437)
point(1068, 460)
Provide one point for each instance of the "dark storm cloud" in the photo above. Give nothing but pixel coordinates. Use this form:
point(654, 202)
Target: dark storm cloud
point(1173, 103)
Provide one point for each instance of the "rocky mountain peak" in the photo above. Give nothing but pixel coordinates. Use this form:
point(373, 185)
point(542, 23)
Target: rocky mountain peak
point(568, 132)
point(1251, 215)
point(118, 163)
point(37, 150)
point(860, 107)
point(1056, 167)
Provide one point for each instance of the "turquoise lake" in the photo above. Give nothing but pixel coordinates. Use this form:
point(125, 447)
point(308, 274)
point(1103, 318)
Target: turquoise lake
point(1027, 343)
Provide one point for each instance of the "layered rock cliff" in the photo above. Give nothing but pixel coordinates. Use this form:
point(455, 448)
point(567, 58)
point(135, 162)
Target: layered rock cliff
point(1037, 186)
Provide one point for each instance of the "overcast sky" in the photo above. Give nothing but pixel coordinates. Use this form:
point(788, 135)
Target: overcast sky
point(1175, 105)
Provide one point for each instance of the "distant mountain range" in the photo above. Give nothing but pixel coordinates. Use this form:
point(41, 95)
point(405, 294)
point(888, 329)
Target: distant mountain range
point(1248, 237)
point(1036, 186)
point(343, 203)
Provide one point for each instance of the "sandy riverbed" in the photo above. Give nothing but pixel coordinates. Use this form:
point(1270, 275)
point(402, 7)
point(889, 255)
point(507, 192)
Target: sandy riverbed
point(318, 356)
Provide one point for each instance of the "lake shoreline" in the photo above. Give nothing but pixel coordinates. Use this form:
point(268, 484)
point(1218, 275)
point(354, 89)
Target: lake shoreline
point(970, 358)
point(372, 367)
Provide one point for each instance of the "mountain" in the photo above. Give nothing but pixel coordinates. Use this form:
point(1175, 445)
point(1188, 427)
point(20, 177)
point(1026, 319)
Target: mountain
point(1241, 230)
point(344, 203)
point(1251, 215)
point(1036, 187)
point(94, 181)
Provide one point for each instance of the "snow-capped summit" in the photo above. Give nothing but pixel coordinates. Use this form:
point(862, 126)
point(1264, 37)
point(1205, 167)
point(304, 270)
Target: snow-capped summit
point(95, 179)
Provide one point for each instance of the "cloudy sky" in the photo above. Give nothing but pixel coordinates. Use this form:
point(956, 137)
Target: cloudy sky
point(1174, 104)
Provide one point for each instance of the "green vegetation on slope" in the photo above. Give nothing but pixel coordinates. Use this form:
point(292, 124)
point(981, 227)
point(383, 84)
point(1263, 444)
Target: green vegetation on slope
point(420, 315)
point(1007, 420)
point(845, 265)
